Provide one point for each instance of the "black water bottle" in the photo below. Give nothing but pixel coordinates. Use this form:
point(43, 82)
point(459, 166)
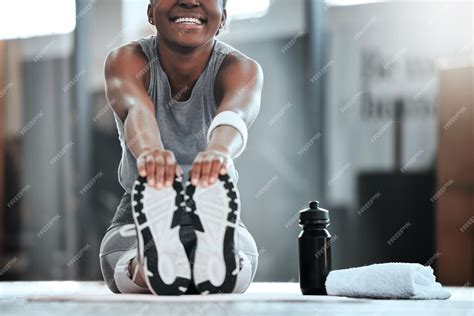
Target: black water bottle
point(314, 250)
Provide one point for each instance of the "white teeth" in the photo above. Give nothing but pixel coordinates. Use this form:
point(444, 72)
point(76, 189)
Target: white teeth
point(188, 20)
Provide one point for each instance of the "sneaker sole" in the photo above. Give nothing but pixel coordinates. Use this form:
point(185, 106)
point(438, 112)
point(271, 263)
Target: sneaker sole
point(157, 216)
point(214, 212)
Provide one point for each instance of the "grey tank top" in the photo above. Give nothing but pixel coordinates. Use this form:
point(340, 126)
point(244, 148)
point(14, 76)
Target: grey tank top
point(183, 125)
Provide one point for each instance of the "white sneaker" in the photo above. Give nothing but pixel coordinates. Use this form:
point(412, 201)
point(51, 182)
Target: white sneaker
point(161, 254)
point(215, 212)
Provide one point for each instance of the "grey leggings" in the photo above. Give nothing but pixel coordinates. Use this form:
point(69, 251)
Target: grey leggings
point(117, 250)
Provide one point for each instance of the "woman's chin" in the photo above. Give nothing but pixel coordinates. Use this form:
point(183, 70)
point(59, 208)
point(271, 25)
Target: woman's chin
point(189, 42)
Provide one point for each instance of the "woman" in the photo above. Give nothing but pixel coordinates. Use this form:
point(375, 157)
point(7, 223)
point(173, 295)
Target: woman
point(182, 102)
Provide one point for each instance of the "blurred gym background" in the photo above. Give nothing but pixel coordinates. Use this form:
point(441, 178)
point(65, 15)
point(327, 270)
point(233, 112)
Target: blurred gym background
point(367, 107)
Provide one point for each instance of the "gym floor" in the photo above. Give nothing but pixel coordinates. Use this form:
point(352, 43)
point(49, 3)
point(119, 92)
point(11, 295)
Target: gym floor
point(93, 298)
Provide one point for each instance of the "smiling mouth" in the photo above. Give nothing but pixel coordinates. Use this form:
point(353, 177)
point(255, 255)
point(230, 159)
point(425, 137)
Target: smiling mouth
point(188, 20)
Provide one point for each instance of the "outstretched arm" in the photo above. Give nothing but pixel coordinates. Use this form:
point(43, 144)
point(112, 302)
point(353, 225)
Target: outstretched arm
point(238, 89)
point(127, 95)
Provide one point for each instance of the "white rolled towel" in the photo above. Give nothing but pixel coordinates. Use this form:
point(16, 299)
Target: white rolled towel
point(386, 280)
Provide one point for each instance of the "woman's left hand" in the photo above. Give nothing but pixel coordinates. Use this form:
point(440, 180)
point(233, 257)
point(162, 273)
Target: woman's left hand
point(208, 165)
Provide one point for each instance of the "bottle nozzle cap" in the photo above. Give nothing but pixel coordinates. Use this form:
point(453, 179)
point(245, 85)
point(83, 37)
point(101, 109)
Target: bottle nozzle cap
point(314, 214)
point(313, 205)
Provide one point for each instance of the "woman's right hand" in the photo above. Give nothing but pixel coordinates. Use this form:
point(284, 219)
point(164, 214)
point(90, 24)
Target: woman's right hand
point(159, 167)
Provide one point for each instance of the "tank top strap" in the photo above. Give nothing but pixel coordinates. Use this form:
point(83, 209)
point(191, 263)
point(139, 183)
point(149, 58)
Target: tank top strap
point(223, 48)
point(148, 46)
point(220, 52)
